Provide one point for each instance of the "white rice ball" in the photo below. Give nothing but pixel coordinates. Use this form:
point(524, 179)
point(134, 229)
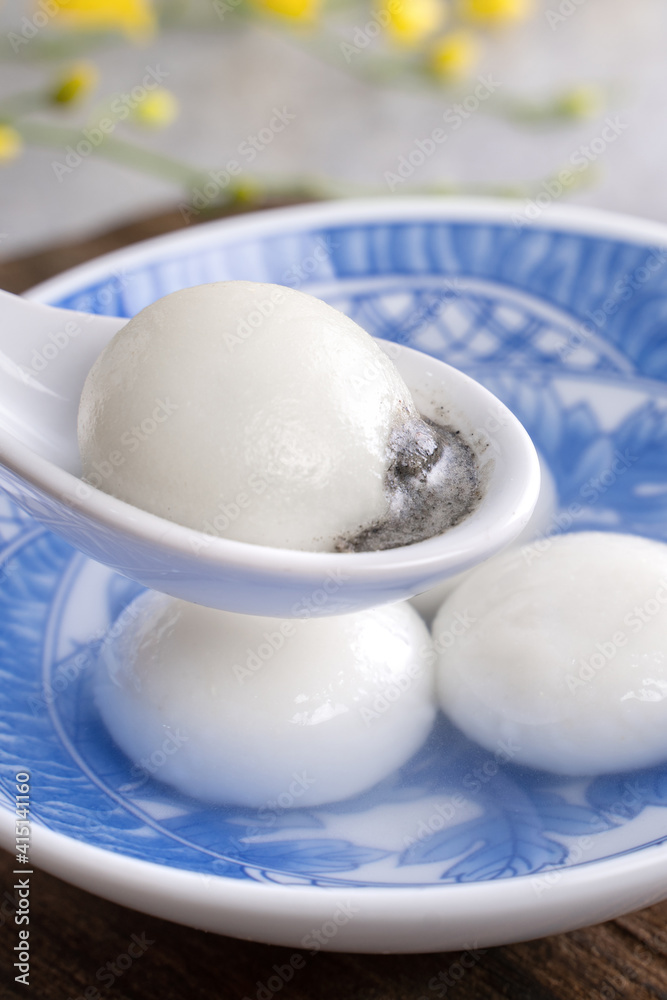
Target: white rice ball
point(252, 711)
point(561, 650)
point(245, 410)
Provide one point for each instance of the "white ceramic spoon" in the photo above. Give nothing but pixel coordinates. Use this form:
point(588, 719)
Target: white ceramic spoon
point(45, 355)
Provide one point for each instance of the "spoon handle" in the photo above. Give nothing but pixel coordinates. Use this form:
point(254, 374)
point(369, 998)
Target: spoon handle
point(45, 355)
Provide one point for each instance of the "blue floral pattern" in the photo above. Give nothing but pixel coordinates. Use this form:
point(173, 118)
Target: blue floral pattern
point(527, 312)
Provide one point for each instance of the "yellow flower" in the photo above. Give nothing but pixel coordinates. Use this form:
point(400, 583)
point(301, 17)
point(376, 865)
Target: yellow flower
point(135, 18)
point(79, 81)
point(247, 191)
point(495, 13)
point(158, 108)
point(585, 101)
point(409, 22)
point(454, 55)
point(293, 10)
point(11, 143)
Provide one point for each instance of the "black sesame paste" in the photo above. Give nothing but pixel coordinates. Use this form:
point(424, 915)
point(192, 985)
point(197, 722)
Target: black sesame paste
point(433, 483)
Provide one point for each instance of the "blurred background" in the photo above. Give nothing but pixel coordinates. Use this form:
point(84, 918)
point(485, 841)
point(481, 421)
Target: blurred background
point(117, 110)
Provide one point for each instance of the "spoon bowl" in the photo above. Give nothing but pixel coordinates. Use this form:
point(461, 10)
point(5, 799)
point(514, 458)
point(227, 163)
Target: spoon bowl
point(45, 355)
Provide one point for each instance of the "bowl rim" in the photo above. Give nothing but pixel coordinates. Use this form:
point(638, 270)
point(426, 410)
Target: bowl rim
point(568, 218)
point(418, 917)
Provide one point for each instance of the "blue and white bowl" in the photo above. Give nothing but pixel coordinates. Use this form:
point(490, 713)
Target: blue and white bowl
point(565, 319)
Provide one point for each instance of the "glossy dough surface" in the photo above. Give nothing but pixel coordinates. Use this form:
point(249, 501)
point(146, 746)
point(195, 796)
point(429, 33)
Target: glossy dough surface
point(250, 411)
point(246, 710)
point(561, 647)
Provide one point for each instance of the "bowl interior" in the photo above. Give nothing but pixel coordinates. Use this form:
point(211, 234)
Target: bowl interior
point(567, 328)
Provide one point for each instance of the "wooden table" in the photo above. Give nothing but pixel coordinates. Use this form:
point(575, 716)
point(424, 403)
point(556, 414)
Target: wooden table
point(75, 935)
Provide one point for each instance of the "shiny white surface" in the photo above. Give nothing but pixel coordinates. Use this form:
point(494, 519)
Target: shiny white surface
point(561, 648)
point(262, 711)
point(246, 410)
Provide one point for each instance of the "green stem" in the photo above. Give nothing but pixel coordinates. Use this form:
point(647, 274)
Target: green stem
point(553, 110)
point(383, 70)
point(56, 47)
point(118, 150)
point(303, 188)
